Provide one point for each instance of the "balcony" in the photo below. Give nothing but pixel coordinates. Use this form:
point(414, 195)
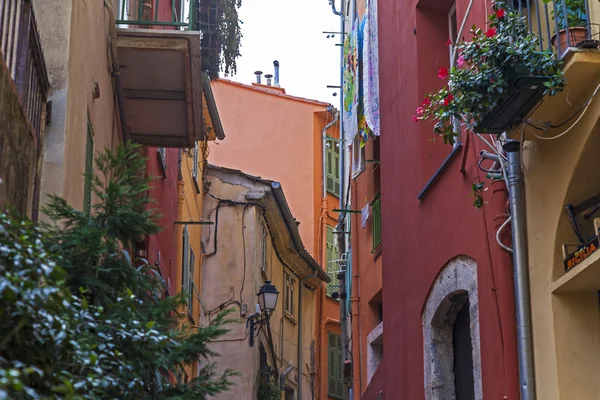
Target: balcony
point(569, 28)
point(23, 95)
point(158, 45)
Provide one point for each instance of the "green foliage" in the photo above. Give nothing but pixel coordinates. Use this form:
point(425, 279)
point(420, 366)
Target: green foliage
point(79, 319)
point(484, 72)
point(230, 35)
point(267, 384)
point(477, 189)
point(576, 15)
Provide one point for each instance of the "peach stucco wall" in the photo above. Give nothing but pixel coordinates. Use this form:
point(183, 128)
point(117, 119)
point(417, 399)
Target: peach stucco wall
point(280, 147)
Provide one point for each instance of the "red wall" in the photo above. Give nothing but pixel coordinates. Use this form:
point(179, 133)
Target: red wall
point(164, 193)
point(421, 236)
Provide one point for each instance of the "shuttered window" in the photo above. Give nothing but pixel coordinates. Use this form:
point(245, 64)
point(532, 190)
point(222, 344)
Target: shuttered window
point(289, 295)
point(332, 167)
point(264, 248)
point(89, 169)
point(195, 162)
point(333, 254)
point(189, 259)
point(335, 370)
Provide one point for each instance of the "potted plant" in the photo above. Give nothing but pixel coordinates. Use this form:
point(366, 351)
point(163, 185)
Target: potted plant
point(499, 77)
point(572, 29)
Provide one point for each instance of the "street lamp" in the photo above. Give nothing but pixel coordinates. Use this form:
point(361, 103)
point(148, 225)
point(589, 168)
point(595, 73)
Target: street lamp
point(267, 298)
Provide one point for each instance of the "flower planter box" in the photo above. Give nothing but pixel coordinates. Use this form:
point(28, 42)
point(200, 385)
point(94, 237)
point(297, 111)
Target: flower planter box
point(524, 92)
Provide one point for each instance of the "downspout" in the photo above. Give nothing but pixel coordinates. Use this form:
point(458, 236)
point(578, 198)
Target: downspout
point(116, 70)
point(300, 327)
point(516, 190)
point(282, 377)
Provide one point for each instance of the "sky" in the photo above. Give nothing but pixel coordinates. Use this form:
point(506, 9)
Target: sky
point(290, 31)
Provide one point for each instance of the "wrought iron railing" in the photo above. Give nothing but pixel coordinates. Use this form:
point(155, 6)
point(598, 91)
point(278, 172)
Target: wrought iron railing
point(22, 53)
point(559, 24)
point(175, 14)
point(376, 206)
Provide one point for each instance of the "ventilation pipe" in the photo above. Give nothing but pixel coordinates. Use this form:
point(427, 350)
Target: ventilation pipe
point(268, 76)
point(282, 380)
point(258, 74)
point(276, 66)
point(516, 190)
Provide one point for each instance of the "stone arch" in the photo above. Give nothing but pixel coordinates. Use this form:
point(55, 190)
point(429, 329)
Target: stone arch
point(455, 286)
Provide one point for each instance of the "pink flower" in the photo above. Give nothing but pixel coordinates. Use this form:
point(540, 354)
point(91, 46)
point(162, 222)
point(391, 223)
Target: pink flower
point(461, 61)
point(442, 73)
point(449, 41)
point(415, 118)
point(500, 13)
point(490, 32)
point(426, 102)
point(448, 99)
point(419, 111)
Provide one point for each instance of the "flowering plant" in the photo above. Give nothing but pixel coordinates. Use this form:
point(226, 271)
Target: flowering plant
point(485, 71)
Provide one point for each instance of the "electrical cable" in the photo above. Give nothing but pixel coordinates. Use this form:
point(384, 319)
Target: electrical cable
point(587, 105)
point(489, 171)
point(504, 224)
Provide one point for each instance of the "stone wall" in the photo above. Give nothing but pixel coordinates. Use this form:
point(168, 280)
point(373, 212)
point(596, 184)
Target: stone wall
point(18, 155)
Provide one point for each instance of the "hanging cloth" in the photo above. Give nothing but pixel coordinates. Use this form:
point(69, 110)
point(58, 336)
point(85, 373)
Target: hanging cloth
point(370, 70)
point(350, 92)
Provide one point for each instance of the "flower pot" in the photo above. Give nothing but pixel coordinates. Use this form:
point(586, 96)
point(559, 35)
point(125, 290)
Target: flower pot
point(574, 35)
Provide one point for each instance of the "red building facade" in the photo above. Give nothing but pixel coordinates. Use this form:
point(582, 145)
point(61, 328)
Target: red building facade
point(447, 296)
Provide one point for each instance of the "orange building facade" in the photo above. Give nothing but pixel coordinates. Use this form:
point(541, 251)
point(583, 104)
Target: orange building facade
point(280, 137)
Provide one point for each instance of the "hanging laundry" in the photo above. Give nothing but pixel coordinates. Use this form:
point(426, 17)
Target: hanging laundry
point(370, 68)
point(363, 127)
point(364, 215)
point(350, 119)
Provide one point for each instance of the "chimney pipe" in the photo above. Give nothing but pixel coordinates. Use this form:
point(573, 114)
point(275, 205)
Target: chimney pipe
point(276, 65)
point(258, 74)
point(268, 76)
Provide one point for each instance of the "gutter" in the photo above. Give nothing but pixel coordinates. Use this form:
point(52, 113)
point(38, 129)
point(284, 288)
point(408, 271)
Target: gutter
point(212, 107)
point(516, 190)
point(116, 70)
point(293, 230)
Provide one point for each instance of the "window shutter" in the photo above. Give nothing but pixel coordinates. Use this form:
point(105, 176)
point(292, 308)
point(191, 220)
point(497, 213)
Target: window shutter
point(332, 167)
point(89, 169)
point(185, 268)
point(336, 171)
point(190, 282)
point(335, 372)
point(195, 162)
point(332, 254)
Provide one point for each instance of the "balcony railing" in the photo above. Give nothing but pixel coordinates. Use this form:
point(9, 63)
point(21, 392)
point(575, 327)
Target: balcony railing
point(560, 24)
point(376, 205)
point(22, 53)
point(175, 14)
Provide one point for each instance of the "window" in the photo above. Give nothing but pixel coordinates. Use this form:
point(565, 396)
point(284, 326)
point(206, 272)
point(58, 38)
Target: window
point(332, 168)
point(195, 162)
point(162, 157)
point(189, 259)
point(289, 305)
point(358, 157)
point(376, 165)
point(463, 350)
point(264, 248)
point(332, 262)
point(89, 169)
point(335, 370)
point(376, 221)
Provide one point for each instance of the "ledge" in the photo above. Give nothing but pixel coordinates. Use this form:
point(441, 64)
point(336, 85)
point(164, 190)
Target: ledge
point(585, 277)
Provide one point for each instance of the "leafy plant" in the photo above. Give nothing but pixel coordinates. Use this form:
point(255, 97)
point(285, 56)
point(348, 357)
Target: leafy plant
point(576, 13)
point(477, 189)
point(267, 384)
point(484, 72)
point(80, 319)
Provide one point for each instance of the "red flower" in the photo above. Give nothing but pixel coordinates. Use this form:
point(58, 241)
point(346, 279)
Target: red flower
point(500, 13)
point(415, 118)
point(490, 32)
point(448, 99)
point(442, 73)
point(426, 102)
point(419, 111)
point(449, 41)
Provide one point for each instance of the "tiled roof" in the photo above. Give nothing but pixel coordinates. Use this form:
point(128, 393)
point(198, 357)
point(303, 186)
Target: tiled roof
point(264, 89)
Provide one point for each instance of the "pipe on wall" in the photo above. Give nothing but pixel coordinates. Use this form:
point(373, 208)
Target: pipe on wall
point(516, 190)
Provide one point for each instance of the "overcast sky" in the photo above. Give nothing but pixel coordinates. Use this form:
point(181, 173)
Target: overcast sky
point(290, 31)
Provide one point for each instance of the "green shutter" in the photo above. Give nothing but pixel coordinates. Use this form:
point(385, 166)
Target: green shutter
point(376, 221)
point(89, 169)
point(332, 267)
point(332, 167)
point(190, 282)
point(186, 253)
point(335, 370)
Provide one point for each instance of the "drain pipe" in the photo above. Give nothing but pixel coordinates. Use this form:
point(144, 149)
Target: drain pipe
point(300, 368)
point(282, 377)
point(116, 70)
point(516, 189)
